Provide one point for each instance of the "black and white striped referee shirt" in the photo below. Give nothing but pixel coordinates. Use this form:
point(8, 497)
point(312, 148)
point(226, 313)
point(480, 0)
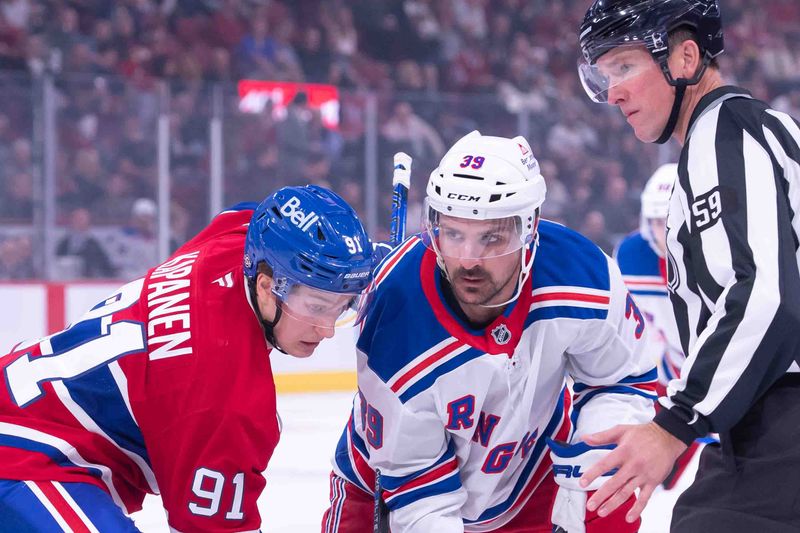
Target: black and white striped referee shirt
point(734, 261)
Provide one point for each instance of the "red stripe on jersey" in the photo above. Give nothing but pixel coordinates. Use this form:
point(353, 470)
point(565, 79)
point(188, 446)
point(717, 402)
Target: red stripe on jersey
point(425, 363)
point(649, 386)
point(393, 261)
point(62, 507)
point(576, 296)
point(359, 462)
point(56, 313)
point(629, 281)
point(443, 470)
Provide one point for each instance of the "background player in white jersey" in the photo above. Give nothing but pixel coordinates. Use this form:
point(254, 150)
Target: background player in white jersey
point(464, 356)
point(642, 260)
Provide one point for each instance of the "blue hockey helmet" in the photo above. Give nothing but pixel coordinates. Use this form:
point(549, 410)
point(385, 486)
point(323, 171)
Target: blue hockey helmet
point(309, 236)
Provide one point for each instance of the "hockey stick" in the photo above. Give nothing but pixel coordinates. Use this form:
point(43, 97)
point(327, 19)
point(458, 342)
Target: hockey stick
point(401, 181)
point(380, 515)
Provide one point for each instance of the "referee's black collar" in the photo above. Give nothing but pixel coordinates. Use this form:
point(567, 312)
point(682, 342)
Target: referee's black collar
point(713, 99)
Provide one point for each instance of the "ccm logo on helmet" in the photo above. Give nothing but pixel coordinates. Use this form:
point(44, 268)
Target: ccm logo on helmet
point(463, 197)
point(293, 212)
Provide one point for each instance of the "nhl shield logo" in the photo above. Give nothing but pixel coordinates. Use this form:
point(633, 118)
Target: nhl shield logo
point(501, 334)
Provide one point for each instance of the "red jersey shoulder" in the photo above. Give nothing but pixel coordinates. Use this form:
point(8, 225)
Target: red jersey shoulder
point(199, 286)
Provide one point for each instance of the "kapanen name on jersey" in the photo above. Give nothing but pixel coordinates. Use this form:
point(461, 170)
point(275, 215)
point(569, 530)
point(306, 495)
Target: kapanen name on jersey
point(168, 321)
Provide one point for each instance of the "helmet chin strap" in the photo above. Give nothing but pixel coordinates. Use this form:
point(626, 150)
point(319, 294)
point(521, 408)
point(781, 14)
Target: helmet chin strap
point(680, 91)
point(524, 272)
point(268, 326)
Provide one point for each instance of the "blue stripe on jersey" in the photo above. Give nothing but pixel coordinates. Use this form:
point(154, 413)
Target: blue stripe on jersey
point(562, 311)
point(99, 508)
point(429, 379)
point(663, 293)
point(97, 393)
point(392, 483)
point(527, 471)
point(651, 375)
point(22, 511)
point(52, 452)
point(358, 442)
point(399, 307)
point(618, 389)
point(342, 459)
point(636, 257)
point(342, 456)
point(567, 258)
point(444, 486)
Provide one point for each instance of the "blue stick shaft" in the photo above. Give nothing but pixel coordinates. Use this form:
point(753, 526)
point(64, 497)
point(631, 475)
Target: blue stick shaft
point(399, 205)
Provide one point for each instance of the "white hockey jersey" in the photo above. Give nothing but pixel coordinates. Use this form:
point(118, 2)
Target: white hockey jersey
point(645, 274)
point(455, 419)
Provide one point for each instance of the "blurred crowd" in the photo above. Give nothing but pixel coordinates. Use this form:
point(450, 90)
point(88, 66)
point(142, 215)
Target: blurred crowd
point(439, 68)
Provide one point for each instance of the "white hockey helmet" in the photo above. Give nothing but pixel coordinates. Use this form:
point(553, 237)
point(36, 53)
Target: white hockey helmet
point(657, 191)
point(487, 178)
point(655, 202)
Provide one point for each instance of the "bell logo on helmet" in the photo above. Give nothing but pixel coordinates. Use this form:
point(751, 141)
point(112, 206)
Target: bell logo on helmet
point(524, 150)
point(463, 197)
point(295, 214)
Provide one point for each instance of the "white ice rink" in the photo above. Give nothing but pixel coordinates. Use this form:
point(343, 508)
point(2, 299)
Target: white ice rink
point(297, 476)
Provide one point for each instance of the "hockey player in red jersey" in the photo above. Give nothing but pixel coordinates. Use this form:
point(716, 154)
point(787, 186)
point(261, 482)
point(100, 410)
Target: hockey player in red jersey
point(166, 386)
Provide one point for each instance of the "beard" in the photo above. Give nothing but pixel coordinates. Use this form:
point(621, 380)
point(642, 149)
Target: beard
point(476, 286)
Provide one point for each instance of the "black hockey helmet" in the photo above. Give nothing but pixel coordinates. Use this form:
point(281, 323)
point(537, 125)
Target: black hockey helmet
point(609, 24)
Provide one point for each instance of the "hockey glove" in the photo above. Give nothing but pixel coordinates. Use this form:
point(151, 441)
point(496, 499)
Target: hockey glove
point(569, 514)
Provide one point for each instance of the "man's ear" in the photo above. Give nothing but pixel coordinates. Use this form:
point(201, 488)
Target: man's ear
point(686, 59)
point(263, 284)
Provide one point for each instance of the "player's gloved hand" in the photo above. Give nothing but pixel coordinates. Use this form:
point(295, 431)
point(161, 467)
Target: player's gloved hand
point(569, 509)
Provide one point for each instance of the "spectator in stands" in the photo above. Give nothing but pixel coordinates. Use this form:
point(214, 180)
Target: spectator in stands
point(406, 131)
point(256, 51)
point(16, 203)
point(80, 243)
point(293, 138)
point(594, 227)
point(87, 181)
point(789, 102)
point(16, 258)
point(136, 247)
point(314, 57)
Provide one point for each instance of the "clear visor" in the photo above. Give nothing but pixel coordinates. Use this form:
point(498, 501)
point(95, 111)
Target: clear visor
point(323, 308)
point(612, 69)
point(463, 238)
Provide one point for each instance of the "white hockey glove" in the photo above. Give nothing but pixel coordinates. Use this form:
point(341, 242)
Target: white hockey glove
point(570, 461)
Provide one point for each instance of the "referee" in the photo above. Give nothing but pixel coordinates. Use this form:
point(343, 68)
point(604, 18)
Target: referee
point(733, 241)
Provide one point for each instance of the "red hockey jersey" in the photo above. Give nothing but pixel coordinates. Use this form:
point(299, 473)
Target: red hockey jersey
point(164, 387)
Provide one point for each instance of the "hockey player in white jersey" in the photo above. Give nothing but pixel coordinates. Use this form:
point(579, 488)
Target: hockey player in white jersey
point(463, 363)
point(642, 260)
